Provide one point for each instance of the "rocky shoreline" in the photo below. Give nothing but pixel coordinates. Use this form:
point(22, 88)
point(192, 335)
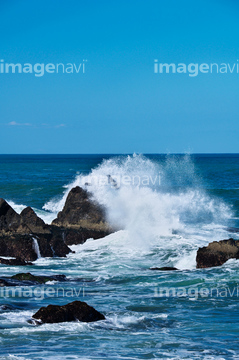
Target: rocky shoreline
point(25, 237)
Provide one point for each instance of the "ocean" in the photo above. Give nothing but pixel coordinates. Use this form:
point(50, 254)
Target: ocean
point(165, 207)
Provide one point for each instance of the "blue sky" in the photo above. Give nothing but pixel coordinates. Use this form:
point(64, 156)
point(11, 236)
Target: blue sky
point(119, 105)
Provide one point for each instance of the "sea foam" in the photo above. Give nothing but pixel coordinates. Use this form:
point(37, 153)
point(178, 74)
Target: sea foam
point(172, 212)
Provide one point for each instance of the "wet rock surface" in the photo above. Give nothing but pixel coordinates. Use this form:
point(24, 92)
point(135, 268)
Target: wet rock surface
point(217, 253)
point(27, 279)
point(26, 236)
point(82, 218)
point(164, 268)
point(15, 262)
point(76, 310)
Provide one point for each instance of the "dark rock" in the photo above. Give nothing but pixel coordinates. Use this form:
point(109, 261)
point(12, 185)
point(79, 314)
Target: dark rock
point(77, 236)
point(59, 277)
point(32, 278)
point(18, 246)
point(217, 253)
point(25, 223)
point(6, 307)
point(23, 246)
point(9, 219)
point(58, 245)
point(22, 235)
point(81, 219)
point(53, 244)
point(33, 222)
point(19, 233)
point(232, 229)
point(26, 279)
point(80, 211)
point(164, 268)
point(44, 244)
point(3, 283)
point(77, 310)
point(16, 262)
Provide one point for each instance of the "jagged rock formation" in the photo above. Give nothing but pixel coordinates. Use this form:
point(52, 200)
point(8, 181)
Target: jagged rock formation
point(217, 253)
point(10, 221)
point(82, 218)
point(79, 209)
point(26, 236)
point(33, 222)
point(20, 233)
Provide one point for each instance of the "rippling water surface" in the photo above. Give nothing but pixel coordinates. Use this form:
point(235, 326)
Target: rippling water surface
point(166, 208)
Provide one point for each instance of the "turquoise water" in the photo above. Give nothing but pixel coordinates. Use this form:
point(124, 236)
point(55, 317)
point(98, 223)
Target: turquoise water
point(188, 314)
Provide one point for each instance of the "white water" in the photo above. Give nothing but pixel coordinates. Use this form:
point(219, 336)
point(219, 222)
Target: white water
point(160, 207)
point(36, 248)
point(16, 207)
point(46, 216)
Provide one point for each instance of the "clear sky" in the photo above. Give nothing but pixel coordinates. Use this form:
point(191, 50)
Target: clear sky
point(119, 105)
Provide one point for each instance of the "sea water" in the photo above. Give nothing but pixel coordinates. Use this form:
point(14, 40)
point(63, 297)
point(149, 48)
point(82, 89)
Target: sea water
point(163, 209)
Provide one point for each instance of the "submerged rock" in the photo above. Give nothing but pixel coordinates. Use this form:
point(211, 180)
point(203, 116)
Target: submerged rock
point(16, 262)
point(4, 283)
point(217, 253)
point(26, 279)
point(37, 279)
point(76, 310)
point(164, 268)
point(232, 229)
point(32, 278)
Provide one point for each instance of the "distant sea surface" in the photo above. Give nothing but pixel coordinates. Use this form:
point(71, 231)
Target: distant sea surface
point(165, 207)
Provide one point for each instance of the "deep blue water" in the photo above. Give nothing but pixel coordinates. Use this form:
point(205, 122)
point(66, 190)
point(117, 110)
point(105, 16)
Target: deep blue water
point(33, 179)
point(198, 196)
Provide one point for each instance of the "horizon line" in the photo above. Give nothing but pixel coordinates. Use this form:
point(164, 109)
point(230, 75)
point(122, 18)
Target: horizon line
point(113, 154)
